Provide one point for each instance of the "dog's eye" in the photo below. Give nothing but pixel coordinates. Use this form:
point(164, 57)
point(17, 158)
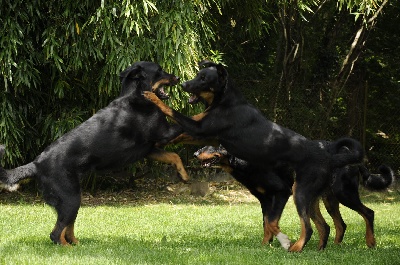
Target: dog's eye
point(202, 77)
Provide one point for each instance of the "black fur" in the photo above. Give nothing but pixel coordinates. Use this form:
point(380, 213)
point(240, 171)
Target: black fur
point(272, 188)
point(377, 181)
point(247, 134)
point(127, 130)
point(345, 190)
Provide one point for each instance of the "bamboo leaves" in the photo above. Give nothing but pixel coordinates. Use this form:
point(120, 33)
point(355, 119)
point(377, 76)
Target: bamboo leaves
point(65, 57)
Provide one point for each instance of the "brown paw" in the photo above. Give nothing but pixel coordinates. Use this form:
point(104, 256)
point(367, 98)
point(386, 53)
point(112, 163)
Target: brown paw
point(72, 240)
point(151, 96)
point(184, 176)
point(268, 237)
point(371, 243)
point(296, 247)
point(161, 105)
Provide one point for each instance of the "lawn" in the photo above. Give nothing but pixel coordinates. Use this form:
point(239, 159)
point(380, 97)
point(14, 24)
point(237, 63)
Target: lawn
point(222, 228)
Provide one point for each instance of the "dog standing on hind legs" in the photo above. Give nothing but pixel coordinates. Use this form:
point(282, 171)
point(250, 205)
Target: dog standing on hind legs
point(247, 134)
point(128, 129)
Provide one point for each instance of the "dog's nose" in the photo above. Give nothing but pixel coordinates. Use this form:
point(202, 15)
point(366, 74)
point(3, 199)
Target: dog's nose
point(177, 78)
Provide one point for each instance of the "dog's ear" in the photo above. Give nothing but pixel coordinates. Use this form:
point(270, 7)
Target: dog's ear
point(129, 79)
point(207, 63)
point(222, 73)
point(134, 72)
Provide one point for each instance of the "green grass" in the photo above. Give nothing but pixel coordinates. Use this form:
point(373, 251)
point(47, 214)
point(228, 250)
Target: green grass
point(188, 233)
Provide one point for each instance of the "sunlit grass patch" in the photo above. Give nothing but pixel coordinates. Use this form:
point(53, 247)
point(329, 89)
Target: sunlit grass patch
point(188, 233)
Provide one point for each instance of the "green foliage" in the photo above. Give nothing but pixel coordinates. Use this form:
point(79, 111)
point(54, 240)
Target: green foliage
point(364, 9)
point(65, 56)
point(60, 60)
point(11, 124)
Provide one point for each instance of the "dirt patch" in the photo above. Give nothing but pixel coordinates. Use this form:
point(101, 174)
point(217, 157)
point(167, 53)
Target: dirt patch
point(148, 192)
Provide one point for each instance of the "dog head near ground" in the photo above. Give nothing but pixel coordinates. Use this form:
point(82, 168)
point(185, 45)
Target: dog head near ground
point(146, 76)
point(208, 85)
point(212, 156)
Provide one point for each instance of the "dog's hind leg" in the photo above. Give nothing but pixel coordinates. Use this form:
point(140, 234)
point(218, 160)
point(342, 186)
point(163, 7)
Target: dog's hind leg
point(266, 204)
point(169, 158)
point(302, 198)
point(274, 216)
point(332, 206)
point(368, 216)
point(70, 234)
point(268, 236)
point(321, 225)
point(352, 201)
point(67, 210)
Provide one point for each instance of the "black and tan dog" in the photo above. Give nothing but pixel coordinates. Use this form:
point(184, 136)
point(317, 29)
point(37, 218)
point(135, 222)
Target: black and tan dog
point(247, 134)
point(128, 129)
point(272, 188)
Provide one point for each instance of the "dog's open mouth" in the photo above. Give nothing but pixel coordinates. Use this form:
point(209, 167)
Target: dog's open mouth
point(161, 93)
point(159, 87)
point(210, 162)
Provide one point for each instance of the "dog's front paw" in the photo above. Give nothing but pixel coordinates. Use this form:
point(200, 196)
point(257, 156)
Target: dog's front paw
point(158, 102)
point(151, 97)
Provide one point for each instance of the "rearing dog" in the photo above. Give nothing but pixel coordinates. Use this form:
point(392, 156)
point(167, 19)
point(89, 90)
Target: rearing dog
point(247, 134)
point(128, 129)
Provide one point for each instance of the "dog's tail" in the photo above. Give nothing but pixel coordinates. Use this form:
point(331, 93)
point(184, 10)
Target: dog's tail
point(346, 151)
point(377, 182)
point(9, 178)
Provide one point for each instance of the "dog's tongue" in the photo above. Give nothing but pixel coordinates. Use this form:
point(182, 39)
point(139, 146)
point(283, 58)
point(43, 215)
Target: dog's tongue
point(193, 99)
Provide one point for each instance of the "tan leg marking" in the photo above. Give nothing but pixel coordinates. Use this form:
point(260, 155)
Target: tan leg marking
point(199, 117)
point(369, 234)
point(267, 232)
point(70, 235)
point(161, 105)
point(299, 244)
point(337, 219)
point(319, 222)
point(170, 158)
point(63, 242)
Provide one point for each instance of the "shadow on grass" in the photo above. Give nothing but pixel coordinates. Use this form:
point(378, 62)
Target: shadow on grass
point(137, 198)
point(221, 196)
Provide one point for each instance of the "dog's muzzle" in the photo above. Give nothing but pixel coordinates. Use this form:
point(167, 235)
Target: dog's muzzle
point(194, 99)
point(160, 92)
